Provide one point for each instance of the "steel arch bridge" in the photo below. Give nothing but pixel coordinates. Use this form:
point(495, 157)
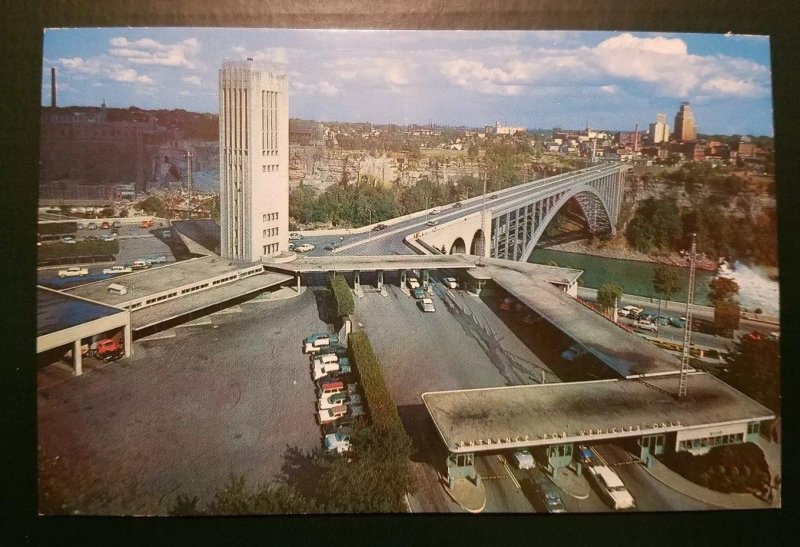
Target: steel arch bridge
point(516, 227)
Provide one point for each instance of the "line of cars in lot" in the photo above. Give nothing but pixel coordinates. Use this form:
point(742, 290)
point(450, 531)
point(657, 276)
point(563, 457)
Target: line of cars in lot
point(646, 321)
point(140, 264)
point(339, 401)
point(418, 292)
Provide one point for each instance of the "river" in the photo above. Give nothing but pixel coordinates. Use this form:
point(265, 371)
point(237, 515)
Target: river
point(756, 290)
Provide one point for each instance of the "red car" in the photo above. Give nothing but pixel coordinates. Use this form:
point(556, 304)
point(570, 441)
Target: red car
point(506, 304)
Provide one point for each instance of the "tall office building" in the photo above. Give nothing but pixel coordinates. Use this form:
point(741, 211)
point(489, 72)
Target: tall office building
point(685, 129)
point(659, 131)
point(253, 161)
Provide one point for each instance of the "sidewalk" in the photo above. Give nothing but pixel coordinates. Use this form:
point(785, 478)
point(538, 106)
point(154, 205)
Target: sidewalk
point(571, 483)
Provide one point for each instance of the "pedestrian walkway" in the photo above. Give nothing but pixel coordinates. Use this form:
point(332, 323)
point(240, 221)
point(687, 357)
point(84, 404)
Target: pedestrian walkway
point(571, 483)
point(467, 494)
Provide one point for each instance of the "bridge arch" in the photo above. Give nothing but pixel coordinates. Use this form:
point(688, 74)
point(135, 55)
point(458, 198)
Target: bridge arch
point(594, 209)
point(458, 246)
point(476, 241)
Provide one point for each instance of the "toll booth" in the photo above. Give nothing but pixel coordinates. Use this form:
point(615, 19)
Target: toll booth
point(651, 446)
point(555, 456)
point(462, 466)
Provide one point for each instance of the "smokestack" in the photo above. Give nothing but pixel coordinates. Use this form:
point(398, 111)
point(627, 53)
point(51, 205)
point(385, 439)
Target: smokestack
point(53, 102)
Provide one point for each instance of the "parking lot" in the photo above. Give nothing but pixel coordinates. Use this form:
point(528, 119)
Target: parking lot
point(182, 413)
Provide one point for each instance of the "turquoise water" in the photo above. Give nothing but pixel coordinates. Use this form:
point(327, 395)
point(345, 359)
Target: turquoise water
point(633, 276)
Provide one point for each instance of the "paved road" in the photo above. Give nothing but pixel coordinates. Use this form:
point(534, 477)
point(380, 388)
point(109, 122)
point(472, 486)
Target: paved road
point(650, 495)
point(180, 414)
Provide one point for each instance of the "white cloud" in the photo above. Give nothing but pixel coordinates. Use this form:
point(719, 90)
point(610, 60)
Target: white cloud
point(610, 89)
point(323, 87)
point(194, 80)
point(79, 64)
point(732, 86)
point(376, 70)
point(130, 75)
point(151, 52)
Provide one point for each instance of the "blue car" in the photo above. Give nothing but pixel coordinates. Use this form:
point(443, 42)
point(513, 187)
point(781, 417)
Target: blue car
point(419, 292)
point(679, 322)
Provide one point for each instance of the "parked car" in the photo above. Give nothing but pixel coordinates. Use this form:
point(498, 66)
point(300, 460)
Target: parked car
point(117, 270)
point(426, 305)
point(419, 292)
point(573, 352)
point(80, 226)
point(92, 226)
point(319, 340)
point(67, 239)
point(108, 237)
point(629, 311)
point(331, 401)
point(331, 414)
point(611, 487)
point(75, 271)
point(530, 318)
point(339, 441)
point(645, 325)
point(458, 205)
point(647, 316)
point(140, 264)
point(433, 222)
point(304, 248)
point(494, 196)
point(523, 459)
point(379, 227)
point(412, 282)
point(663, 320)
point(116, 224)
point(434, 212)
point(679, 322)
point(105, 225)
point(330, 388)
point(507, 303)
point(450, 282)
point(294, 236)
point(291, 246)
point(543, 495)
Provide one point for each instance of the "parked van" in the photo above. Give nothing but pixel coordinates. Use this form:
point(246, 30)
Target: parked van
point(116, 288)
point(330, 388)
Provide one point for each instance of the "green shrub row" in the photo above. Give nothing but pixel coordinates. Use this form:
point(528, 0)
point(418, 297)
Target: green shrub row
point(58, 249)
point(342, 295)
point(382, 410)
point(730, 468)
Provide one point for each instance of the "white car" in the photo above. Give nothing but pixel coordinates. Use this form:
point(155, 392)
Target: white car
point(117, 270)
point(412, 283)
point(304, 248)
point(294, 236)
point(426, 305)
point(450, 282)
point(629, 311)
point(523, 459)
point(73, 272)
point(645, 325)
point(331, 414)
point(611, 486)
point(434, 212)
point(433, 222)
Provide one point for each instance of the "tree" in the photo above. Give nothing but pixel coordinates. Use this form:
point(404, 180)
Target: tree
point(754, 368)
point(666, 281)
point(153, 206)
point(727, 315)
point(722, 289)
point(608, 295)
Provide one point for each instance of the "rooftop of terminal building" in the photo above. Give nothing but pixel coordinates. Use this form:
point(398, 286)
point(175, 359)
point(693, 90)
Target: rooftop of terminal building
point(308, 264)
point(583, 411)
point(56, 311)
point(158, 278)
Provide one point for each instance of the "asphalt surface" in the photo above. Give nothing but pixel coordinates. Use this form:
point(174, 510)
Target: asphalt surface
point(179, 415)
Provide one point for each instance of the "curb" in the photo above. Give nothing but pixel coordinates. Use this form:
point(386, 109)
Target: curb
point(696, 498)
point(474, 511)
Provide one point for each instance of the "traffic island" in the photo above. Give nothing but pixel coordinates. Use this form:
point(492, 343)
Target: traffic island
point(571, 483)
point(465, 492)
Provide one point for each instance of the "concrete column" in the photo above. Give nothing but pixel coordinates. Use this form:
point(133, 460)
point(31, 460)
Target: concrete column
point(402, 278)
point(298, 282)
point(128, 337)
point(77, 358)
point(424, 274)
point(380, 280)
point(356, 280)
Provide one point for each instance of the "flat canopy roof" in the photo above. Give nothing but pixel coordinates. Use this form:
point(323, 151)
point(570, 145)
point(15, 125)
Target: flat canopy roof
point(56, 311)
point(628, 354)
point(309, 264)
point(478, 420)
point(540, 272)
point(169, 309)
point(157, 279)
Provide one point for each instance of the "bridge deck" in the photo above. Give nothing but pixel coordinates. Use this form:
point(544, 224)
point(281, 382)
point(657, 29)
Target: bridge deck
point(560, 413)
point(627, 354)
point(316, 264)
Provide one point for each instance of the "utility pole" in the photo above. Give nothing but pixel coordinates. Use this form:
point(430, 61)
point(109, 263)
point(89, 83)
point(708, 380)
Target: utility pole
point(482, 249)
point(687, 332)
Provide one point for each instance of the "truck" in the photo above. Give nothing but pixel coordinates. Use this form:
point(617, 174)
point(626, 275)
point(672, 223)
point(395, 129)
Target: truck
point(319, 340)
point(73, 272)
point(110, 348)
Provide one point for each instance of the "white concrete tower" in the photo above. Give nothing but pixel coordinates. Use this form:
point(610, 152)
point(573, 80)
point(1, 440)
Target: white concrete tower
point(253, 161)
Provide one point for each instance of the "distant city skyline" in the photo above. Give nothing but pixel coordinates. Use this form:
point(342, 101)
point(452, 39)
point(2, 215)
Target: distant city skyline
point(535, 79)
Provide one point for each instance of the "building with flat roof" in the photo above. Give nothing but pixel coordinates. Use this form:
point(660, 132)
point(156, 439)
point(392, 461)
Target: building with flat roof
point(685, 128)
point(659, 131)
point(254, 161)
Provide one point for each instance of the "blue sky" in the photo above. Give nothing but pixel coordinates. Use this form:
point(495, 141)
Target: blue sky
point(612, 80)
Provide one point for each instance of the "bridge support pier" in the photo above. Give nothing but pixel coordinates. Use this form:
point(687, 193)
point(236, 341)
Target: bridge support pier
point(402, 278)
point(380, 280)
point(425, 277)
point(77, 358)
